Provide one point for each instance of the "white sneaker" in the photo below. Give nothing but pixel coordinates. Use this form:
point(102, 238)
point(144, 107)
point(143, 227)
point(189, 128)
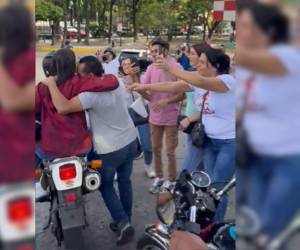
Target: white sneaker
point(168, 185)
point(116, 177)
point(149, 171)
point(158, 182)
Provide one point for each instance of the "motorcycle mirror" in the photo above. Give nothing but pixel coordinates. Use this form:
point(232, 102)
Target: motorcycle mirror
point(165, 207)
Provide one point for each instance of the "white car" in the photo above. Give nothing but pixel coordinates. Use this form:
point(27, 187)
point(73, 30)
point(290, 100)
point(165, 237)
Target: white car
point(138, 53)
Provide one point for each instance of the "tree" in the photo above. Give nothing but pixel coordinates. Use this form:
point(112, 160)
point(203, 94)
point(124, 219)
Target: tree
point(78, 17)
point(134, 16)
point(111, 6)
point(49, 11)
point(87, 22)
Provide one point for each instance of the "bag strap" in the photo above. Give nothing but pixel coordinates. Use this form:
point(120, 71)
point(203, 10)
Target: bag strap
point(204, 98)
point(133, 98)
point(248, 84)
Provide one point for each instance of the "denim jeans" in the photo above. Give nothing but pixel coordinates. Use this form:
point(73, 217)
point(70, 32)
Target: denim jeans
point(274, 191)
point(145, 140)
point(120, 162)
point(219, 163)
point(193, 156)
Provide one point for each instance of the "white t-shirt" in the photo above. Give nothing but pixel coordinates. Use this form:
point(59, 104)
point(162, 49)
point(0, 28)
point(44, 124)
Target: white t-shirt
point(129, 96)
point(219, 111)
point(112, 67)
point(198, 97)
point(272, 120)
point(111, 126)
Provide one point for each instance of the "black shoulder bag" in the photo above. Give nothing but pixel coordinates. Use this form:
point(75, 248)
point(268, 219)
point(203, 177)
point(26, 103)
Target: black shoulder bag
point(243, 150)
point(198, 132)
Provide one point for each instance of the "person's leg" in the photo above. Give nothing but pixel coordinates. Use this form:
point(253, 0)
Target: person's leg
point(171, 145)
point(282, 200)
point(111, 162)
point(209, 157)
point(259, 176)
point(193, 156)
point(157, 133)
point(223, 171)
point(124, 179)
point(145, 139)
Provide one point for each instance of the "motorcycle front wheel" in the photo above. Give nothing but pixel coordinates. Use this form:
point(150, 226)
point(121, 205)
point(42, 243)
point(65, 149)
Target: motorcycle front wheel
point(147, 243)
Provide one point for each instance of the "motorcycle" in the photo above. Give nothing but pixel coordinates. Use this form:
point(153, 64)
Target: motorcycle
point(17, 216)
point(189, 206)
point(63, 183)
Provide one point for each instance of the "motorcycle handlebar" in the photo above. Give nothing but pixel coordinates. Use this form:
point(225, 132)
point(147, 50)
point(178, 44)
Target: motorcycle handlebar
point(227, 188)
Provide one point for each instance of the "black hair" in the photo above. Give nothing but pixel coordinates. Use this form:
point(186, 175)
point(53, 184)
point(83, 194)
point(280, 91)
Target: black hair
point(271, 21)
point(161, 42)
point(64, 63)
point(133, 60)
point(16, 30)
point(241, 5)
point(200, 47)
point(219, 60)
point(111, 51)
point(92, 65)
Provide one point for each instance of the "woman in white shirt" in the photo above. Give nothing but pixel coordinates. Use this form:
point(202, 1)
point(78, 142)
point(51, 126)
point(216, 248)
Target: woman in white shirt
point(272, 117)
point(218, 116)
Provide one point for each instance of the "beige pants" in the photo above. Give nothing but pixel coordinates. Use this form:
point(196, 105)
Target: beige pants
point(171, 141)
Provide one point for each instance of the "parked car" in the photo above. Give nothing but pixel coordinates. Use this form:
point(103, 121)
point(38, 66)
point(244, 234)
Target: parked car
point(72, 32)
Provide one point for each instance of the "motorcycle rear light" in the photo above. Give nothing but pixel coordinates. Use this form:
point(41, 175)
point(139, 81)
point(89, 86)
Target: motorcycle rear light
point(67, 172)
point(70, 198)
point(25, 248)
point(20, 210)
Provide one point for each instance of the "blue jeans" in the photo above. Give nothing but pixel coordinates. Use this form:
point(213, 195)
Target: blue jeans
point(145, 140)
point(193, 156)
point(120, 162)
point(274, 191)
point(219, 163)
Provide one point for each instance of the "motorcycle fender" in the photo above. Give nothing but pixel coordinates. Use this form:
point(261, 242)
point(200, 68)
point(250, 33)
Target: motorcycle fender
point(71, 214)
point(151, 231)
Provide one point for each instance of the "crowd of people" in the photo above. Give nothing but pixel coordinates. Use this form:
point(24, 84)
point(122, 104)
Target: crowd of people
point(113, 111)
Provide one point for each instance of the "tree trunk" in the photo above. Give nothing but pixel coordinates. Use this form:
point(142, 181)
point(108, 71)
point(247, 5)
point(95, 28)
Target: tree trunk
point(189, 32)
point(87, 22)
point(204, 27)
point(134, 10)
point(212, 29)
point(65, 24)
point(78, 21)
point(170, 33)
point(111, 5)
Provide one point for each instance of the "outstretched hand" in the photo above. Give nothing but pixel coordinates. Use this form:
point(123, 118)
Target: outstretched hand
point(137, 87)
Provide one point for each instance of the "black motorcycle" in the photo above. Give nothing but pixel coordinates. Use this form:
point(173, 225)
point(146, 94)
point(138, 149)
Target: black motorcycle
point(189, 206)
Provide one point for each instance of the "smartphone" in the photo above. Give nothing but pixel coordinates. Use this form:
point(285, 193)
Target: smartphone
point(160, 51)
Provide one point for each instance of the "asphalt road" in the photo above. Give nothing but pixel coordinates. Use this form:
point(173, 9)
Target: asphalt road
point(97, 235)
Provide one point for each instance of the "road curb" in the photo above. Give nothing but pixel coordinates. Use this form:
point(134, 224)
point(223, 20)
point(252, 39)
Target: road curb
point(77, 50)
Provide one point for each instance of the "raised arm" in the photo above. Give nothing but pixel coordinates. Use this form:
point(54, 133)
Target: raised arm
point(207, 83)
point(13, 97)
point(177, 87)
point(158, 106)
point(261, 61)
point(194, 78)
point(61, 103)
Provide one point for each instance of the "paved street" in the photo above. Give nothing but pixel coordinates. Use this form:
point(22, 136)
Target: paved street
point(97, 235)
